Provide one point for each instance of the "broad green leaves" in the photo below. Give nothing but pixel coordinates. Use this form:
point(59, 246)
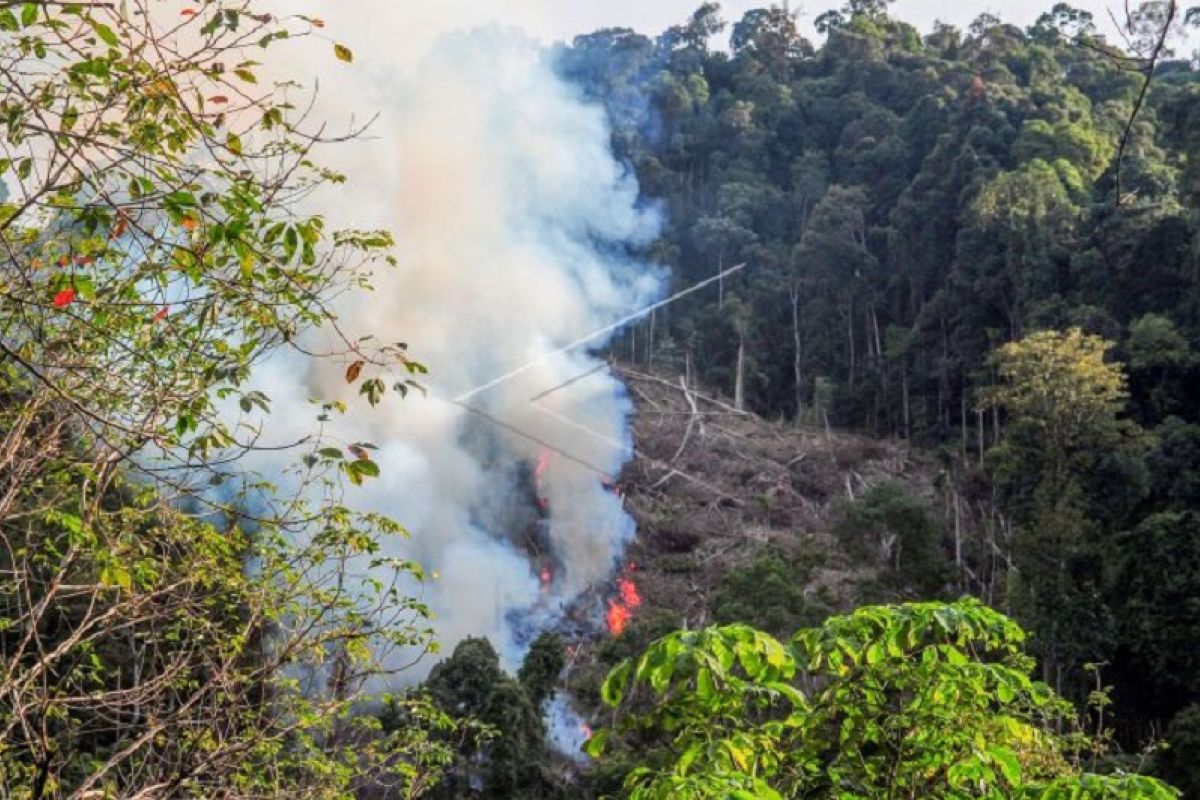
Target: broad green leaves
point(921, 699)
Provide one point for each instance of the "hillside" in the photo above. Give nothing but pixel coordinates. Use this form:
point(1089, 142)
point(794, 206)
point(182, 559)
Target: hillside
point(728, 503)
point(712, 488)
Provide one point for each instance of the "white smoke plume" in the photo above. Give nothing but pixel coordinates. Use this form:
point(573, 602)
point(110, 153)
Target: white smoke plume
point(513, 223)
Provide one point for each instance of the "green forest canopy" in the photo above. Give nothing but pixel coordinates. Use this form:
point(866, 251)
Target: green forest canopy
point(907, 203)
point(944, 246)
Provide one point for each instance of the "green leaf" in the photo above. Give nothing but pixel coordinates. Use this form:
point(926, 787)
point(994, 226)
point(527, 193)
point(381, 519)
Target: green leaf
point(954, 656)
point(1007, 761)
point(85, 287)
point(612, 691)
point(343, 53)
point(365, 468)
point(114, 574)
point(689, 755)
point(71, 522)
point(105, 33)
point(373, 390)
point(594, 746)
point(742, 756)
point(29, 14)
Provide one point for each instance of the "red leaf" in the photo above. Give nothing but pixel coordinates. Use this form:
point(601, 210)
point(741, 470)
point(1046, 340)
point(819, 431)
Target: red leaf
point(218, 98)
point(64, 298)
point(161, 314)
point(352, 371)
point(188, 12)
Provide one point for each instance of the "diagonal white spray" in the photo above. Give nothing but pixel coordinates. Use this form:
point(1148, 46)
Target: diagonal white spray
point(514, 223)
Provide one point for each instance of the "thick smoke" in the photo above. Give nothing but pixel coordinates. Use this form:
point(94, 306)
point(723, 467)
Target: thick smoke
point(514, 223)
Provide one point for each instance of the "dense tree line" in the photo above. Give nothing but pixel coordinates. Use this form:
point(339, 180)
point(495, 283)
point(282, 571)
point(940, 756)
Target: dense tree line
point(985, 241)
point(906, 204)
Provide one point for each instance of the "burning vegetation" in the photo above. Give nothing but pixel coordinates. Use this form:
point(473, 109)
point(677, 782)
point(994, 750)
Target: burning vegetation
point(622, 607)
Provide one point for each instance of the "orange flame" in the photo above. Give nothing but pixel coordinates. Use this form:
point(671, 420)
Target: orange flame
point(629, 593)
point(621, 608)
point(617, 618)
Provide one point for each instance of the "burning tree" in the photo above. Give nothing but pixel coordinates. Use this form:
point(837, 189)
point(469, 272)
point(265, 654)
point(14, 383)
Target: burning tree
point(151, 253)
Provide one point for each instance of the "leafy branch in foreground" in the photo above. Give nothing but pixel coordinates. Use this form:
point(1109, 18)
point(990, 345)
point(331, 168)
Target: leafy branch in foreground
point(917, 700)
point(171, 625)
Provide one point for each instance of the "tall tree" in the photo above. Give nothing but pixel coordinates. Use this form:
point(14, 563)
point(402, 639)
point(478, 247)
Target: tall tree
point(1064, 400)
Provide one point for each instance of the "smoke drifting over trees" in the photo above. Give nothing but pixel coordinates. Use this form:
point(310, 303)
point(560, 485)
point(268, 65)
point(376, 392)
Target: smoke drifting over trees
point(518, 233)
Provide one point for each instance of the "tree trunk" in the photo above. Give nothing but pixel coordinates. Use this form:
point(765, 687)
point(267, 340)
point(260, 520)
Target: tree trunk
point(850, 338)
point(797, 353)
point(720, 279)
point(944, 382)
point(958, 559)
point(1196, 246)
point(962, 408)
point(650, 344)
point(739, 383)
point(878, 342)
point(979, 432)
